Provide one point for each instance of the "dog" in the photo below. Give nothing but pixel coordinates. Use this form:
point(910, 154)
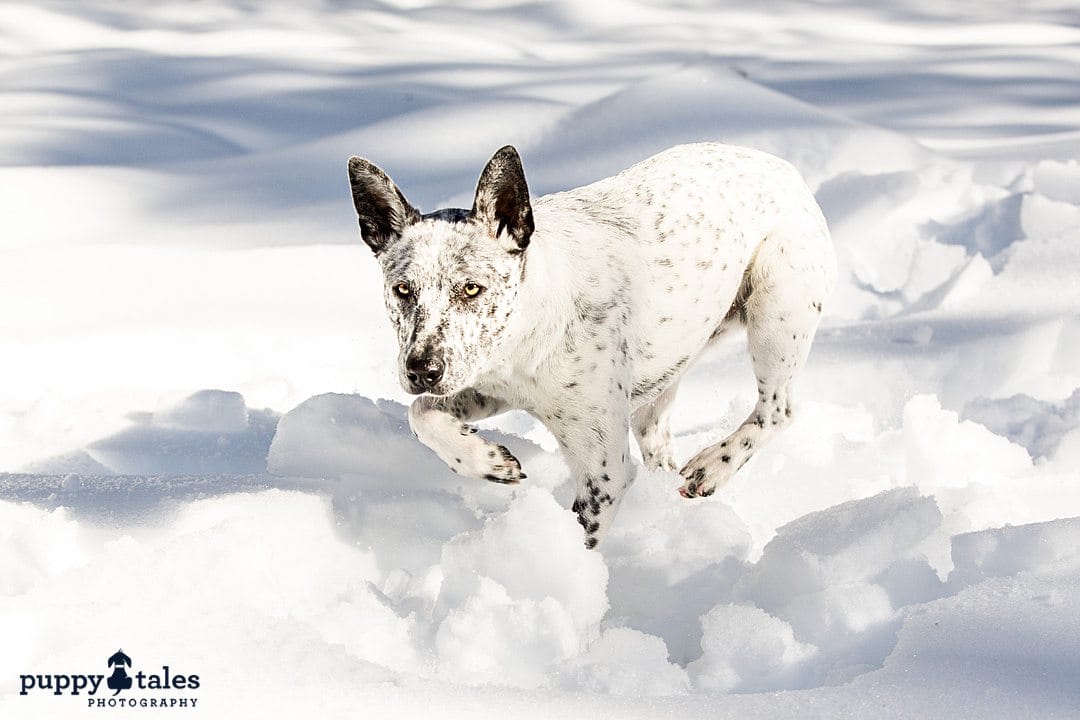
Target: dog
point(586, 307)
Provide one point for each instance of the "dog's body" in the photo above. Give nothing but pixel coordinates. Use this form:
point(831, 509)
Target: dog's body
point(592, 303)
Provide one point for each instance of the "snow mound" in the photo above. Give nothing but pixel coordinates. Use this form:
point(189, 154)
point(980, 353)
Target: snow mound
point(626, 662)
point(210, 431)
point(827, 576)
point(206, 410)
point(705, 100)
point(943, 451)
point(336, 435)
point(746, 649)
point(907, 548)
point(518, 595)
point(369, 443)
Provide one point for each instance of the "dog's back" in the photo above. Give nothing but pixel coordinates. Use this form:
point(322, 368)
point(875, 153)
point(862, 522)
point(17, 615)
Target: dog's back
point(673, 239)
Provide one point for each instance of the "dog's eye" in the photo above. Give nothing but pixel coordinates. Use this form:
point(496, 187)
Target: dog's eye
point(402, 289)
point(472, 289)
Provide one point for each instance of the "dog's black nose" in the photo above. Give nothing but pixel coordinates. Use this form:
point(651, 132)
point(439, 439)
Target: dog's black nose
point(423, 372)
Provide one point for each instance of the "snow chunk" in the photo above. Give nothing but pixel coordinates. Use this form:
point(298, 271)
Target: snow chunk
point(351, 437)
point(1006, 551)
point(334, 435)
point(210, 431)
point(657, 528)
point(518, 595)
point(942, 451)
point(746, 649)
point(627, 662)
point(820, 572)
point(1044, 218)
point(495, 639)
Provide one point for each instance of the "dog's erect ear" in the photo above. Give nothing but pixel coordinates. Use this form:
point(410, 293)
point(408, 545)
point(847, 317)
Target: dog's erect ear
point(383, 211)
point(502, 198)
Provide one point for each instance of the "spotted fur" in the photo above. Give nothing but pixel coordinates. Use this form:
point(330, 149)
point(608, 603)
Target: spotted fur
point(592, 305)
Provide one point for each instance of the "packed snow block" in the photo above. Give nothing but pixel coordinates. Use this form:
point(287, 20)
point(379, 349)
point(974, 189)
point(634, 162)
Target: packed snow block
point(211, 431)
point(495, 639)
point(1003, 648)
point(820, 573)
point(336, 435)
point(1007, 551)
point(1044, 219)
point(369, 443)
point(943, 452)
point(518, 595)
point(744, 649)
point(671, 560)
point(628, 662)
point(657, 528)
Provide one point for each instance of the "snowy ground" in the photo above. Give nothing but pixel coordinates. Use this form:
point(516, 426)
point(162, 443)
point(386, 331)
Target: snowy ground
point(205, 443)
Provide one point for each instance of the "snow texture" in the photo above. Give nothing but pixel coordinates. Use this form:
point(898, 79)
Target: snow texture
point(204, 453)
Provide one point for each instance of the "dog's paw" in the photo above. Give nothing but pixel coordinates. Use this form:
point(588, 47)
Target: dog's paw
point(660, 460)
point(504, 468)
point(698, 483)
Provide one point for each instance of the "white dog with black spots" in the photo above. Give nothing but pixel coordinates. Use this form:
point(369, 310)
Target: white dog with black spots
point(586, 307)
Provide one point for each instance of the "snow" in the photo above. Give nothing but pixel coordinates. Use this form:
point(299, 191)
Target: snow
point(204, 448)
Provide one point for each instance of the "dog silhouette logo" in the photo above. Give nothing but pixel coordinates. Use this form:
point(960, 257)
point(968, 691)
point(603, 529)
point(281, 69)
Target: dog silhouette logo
point(119, 679)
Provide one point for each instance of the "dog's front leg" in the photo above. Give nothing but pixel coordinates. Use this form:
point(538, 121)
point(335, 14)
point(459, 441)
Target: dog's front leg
point(439, 423)
point(593, 430)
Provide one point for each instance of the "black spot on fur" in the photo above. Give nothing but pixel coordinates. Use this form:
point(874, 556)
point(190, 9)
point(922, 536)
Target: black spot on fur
point(646, 386)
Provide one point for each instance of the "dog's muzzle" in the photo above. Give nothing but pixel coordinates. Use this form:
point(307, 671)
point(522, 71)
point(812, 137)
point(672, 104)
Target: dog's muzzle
point(423, 372)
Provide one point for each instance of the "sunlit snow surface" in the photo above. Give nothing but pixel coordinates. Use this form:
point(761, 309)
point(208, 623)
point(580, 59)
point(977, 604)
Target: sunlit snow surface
point(207, 455)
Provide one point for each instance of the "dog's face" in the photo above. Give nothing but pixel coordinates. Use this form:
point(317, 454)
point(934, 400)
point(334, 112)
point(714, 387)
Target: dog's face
point(450, 278)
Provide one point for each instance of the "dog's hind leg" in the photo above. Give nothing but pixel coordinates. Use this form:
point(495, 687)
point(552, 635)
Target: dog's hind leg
point(652, 430)
point(439, 423)
point(790, 277)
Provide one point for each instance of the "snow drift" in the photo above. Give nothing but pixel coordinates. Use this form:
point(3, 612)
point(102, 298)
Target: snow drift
point(206, 450)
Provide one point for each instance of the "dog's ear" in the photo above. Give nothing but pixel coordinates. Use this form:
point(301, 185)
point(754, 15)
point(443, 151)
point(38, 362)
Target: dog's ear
point(383, 211)
point(502, 198)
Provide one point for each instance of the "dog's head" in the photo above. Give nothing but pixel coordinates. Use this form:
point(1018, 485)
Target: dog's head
point(450, 277)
